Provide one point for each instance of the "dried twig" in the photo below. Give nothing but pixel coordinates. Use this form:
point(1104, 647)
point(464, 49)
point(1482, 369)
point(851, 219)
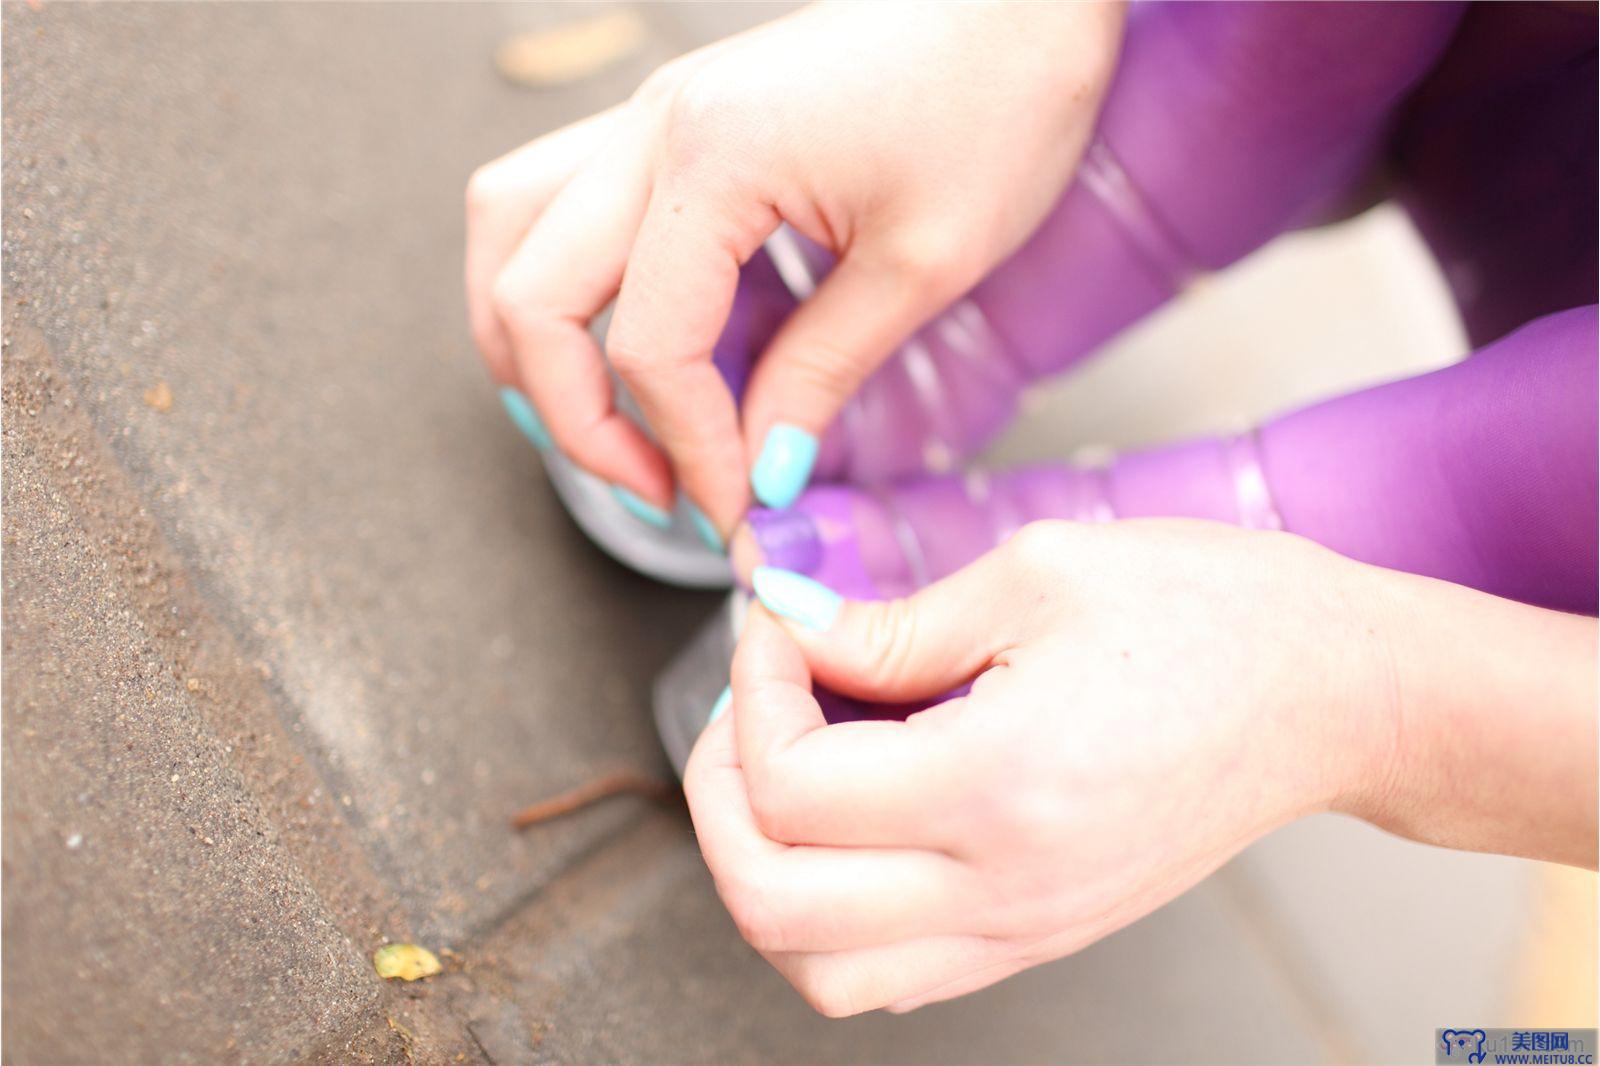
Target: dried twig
point(613, 784)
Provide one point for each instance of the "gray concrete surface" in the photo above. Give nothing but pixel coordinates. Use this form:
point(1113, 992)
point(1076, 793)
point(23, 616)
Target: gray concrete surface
point(281, 658)
point(127, 816)
point(260, 207)
point(662, 977)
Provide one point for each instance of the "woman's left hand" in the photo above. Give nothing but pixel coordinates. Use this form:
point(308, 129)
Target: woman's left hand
point(1150, 697)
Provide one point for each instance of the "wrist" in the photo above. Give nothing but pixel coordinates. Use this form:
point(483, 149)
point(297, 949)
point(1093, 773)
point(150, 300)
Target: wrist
point(1382, 622)
point(1480, 724)
point(1350, 704)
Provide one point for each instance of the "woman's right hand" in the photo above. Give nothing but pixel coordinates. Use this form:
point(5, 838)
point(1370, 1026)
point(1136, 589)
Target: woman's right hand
point(1138, 702)
point(920, 145)
point(1145, 699)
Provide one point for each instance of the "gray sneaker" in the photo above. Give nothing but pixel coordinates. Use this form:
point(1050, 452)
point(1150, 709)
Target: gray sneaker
point(675, 555)
point(685, 691)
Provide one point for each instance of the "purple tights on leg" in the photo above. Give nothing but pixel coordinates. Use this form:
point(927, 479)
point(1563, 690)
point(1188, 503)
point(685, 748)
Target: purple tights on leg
point(1225, 125)
point(1483, 473)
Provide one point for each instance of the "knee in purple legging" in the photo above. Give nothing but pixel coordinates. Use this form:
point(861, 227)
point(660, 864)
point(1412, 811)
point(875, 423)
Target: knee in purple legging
point(1226, 124)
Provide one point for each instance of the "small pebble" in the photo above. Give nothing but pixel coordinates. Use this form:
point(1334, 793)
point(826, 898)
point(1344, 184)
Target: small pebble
point(159, 396)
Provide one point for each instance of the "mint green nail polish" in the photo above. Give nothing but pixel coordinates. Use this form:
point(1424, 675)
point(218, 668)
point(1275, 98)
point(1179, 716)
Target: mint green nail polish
point(784, 466)
point(526, 418)
point(648, 513)
point(797, 597)
point(702, 525)
point(720, 708)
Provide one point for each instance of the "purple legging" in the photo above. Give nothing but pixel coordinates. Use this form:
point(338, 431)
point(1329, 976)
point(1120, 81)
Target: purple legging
point(1495, 158)
point(1225, 125)
point(1483, 473)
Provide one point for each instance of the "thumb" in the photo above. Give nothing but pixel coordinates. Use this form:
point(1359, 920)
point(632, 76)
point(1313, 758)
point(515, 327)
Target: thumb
point(867, 305)
point(913, 648)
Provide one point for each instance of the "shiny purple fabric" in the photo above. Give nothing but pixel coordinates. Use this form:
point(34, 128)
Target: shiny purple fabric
point(1226, 124)
point(1483, 473)
point(1495, 158)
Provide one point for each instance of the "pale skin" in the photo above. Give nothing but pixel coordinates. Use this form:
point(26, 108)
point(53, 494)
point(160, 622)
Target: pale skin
point(1147, 699)
point(972, 132)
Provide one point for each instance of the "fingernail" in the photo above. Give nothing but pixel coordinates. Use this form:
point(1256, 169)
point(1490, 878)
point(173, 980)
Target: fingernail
point(796, 597)
point(788, 539)
point(648, 513)
point(720, 708)
point(703, 526)
point(784, 465)
point(526, 418)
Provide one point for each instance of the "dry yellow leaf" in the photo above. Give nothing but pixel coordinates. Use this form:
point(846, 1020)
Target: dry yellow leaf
point(564, 54)
point(408, 962)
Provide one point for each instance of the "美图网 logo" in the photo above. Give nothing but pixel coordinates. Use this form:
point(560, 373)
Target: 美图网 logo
point(1557, 1047)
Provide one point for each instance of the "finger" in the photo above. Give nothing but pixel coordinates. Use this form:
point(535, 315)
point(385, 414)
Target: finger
point(983, 977)
point(788, 899)
point(839, 984)
point(675, 299)
point(933, 641)
point(504, 198)
point(866, 306)
point(1021, 956)
point(888, 783)
point(560, 277)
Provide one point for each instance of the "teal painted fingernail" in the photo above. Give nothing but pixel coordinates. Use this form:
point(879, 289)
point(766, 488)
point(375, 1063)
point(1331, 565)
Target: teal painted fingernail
point(720, 708)
point(784, 465)
point(703, 526)
point(797, 597)
point(648, 513)
point(526, 418)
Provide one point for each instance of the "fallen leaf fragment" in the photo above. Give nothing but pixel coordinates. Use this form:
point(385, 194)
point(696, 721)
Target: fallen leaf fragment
point(159, 396)
point(548, 58)
point(408, 962)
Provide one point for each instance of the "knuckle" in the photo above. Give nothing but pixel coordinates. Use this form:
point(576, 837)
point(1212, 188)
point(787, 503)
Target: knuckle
point(753, 915)
point(823, 368)
point(892, 638)
point(830, 1002)
point(694, 774)
point(1031, 817)
point(516, 303)
point(769, 800)
point(697, 104)
point(660, 83)
point(700, 112)
point(633, 359)
point(936, 254)
point(828, 993)
point(486, 336)
point(626, 357)
point(1039, 547)
point(484, 190)
point(509, 299)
